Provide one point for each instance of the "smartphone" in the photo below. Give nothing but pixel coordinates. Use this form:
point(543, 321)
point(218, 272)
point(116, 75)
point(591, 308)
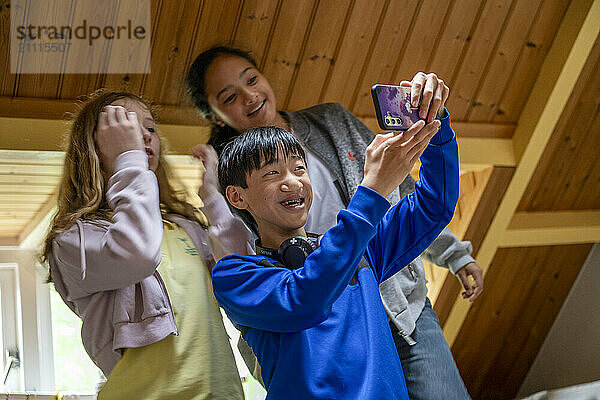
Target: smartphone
point(393, 108)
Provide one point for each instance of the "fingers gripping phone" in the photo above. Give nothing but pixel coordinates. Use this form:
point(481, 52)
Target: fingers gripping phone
point(393, 108)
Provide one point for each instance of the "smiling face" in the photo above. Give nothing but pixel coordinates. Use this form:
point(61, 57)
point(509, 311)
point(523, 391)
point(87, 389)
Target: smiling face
point(239, 95)
point(279, 196)
point(146, 121)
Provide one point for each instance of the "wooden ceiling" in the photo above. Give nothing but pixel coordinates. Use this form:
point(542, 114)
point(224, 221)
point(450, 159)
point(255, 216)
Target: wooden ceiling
point(524, 101)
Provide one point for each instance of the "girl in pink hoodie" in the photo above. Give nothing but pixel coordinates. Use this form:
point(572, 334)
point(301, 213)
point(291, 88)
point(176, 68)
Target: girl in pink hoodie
point(131, 255)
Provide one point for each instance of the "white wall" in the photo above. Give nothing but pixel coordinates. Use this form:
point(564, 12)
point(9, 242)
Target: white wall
point(570, 353)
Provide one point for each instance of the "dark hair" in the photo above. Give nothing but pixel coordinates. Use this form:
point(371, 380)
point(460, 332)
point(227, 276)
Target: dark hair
point(196, 82)
point(255, 147)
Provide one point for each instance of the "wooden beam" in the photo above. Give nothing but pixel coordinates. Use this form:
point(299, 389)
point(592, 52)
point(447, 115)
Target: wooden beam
point(50, 134)
point(40, 108)
point(475, 232)
point(552, 228)
point(9, 242)
point(558, 76)
point(32, 234)
point(480, 144)
point(462, 129)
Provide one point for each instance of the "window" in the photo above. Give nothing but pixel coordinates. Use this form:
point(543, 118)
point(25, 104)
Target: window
point(9, 341)
point(74, 371)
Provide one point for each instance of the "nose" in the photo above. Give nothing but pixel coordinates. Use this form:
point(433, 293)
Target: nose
point(291, 183)
point(250, 95)
point(147, 136)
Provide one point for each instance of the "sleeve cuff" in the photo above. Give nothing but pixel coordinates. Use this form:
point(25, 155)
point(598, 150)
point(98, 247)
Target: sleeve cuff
point(131, 159)
point(445, 134)
point(460, 262)
point(368, 204)
point(215, 206)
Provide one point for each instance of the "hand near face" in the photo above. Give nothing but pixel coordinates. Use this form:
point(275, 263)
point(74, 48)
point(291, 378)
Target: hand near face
point(118, 131)
point(210, 181)
point(390, 158)
point(433, 93)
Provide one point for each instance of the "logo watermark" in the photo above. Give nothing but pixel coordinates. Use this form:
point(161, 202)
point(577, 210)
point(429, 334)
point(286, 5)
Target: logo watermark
point(65, 36)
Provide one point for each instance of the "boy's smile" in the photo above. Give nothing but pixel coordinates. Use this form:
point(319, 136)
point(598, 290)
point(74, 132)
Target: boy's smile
point(278, 196)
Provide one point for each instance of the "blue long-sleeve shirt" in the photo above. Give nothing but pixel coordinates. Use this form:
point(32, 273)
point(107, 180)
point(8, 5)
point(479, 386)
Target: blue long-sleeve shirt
point(315, 335)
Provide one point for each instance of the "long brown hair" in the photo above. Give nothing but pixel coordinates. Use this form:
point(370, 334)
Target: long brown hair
point(82, 191)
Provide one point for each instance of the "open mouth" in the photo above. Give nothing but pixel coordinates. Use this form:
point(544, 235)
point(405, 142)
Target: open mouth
point(293, 203)
point(149, 152)
point(257, 109)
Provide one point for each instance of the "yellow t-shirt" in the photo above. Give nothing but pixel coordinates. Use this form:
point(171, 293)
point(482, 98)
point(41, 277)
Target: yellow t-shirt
point(196, 364)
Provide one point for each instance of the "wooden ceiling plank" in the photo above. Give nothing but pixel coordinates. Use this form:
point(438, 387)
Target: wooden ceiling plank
point(7, 80)
point(319, 54)
point(493, 315)
point(170, 51)
point(26, 189)
point(454, 38)
point(570, 262)
point(503, 61)
point(282, 57)
point(217, 25)
point(517, 323)
point(256, 22)
point(21, 198)
point(23, 207)
point(351, 59)
point(422, 40)
point(31, 157)
point(389, 43)
point(135, 83)
point(536, 124)
point(567, 172)
point(19, 214)
point(536, 48)
point(24, 169)
point(483, 41)
point(41, 85)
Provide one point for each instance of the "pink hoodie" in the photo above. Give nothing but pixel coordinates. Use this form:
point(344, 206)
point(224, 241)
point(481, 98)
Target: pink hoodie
point(106, 272)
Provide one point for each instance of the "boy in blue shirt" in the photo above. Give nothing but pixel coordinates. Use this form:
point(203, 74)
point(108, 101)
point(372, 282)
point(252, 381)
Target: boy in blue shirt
point(315, 319)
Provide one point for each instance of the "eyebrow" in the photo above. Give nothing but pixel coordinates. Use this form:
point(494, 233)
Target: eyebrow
point(294, 157)
point(229, 86)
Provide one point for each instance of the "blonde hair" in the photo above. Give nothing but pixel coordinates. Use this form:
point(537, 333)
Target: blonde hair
point(82, 193)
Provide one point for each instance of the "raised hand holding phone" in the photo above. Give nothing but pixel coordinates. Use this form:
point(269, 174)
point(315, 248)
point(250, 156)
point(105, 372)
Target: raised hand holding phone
point(390, 158)
point(399, 107)
point(429, 93)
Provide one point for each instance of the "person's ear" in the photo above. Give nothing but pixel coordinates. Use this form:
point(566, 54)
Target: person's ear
point(236, 197)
